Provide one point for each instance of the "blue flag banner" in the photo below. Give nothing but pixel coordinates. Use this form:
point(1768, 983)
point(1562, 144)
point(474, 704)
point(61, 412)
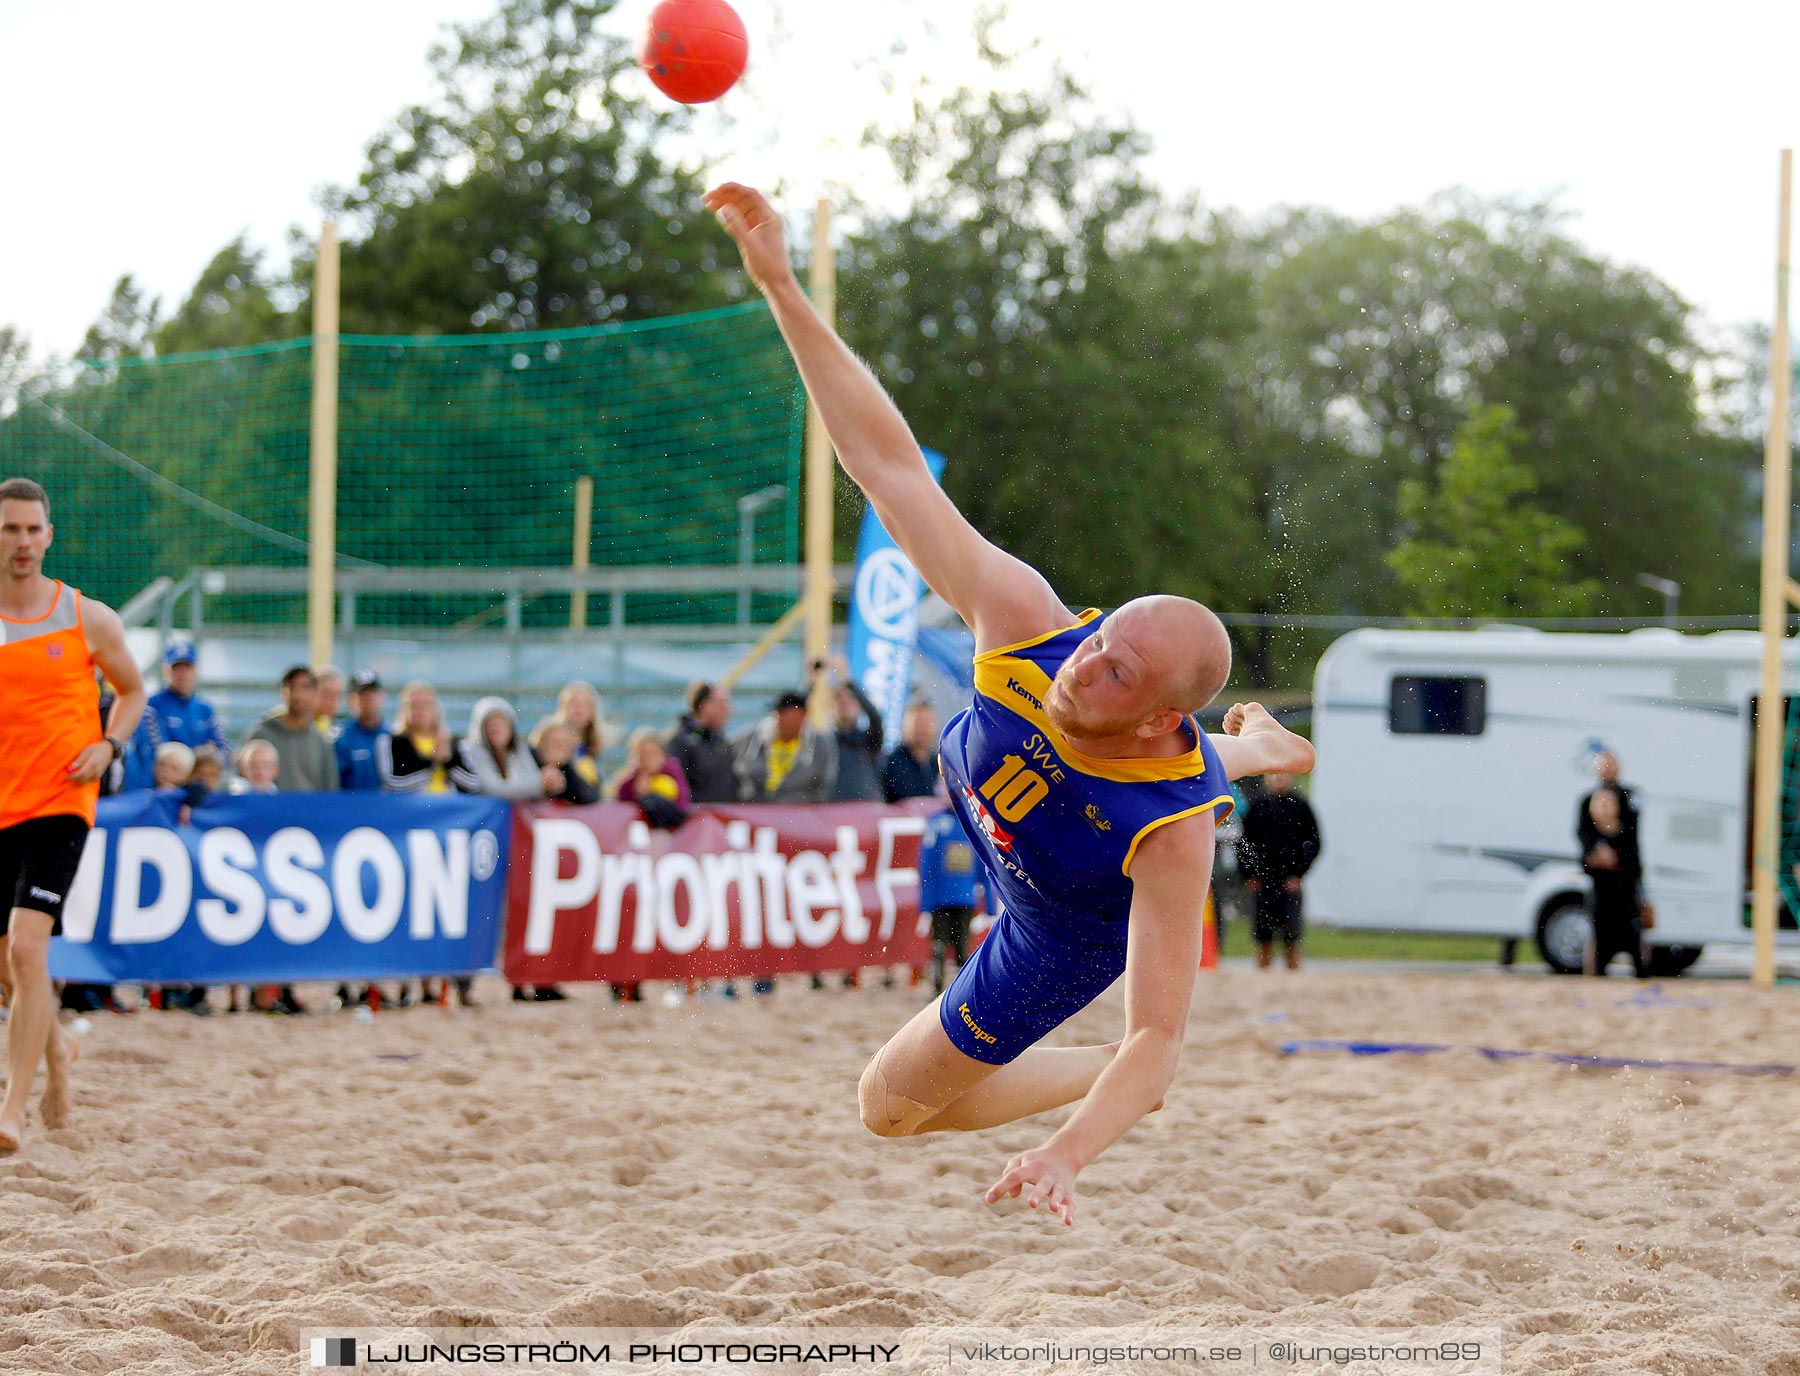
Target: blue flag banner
point(884, 616)
point(271, 888)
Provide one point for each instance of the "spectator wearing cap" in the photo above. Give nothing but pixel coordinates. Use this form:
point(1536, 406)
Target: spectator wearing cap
point(358, 744)
point(699, 746)
point(307, 763)
point(175, 715)
point(912, 770)
point(784, 760)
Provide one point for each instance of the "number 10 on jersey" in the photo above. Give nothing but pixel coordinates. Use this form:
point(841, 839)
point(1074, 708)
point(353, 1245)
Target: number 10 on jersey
point(1013, 789)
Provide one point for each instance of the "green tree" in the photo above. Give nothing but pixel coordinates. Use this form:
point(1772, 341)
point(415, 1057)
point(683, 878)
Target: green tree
point(537, 191)
point(1068, 353)
point(1387, 332)
point(1479, 547)
point(125, 328)
point(236, 301)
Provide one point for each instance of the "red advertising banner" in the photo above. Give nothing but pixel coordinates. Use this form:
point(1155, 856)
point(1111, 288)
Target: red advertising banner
point(596, 894)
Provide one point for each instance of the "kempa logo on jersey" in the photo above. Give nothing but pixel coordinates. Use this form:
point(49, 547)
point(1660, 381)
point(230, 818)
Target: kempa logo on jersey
point(46, 895)
point(1022, 691)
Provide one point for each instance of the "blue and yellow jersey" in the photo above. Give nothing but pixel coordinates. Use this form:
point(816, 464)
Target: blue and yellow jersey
point(1058, 829)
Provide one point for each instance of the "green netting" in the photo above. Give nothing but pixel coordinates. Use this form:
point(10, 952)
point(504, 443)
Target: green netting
point(460, 450)
point(1787, 877)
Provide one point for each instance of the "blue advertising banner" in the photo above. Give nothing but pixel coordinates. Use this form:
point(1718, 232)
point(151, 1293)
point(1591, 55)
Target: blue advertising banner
point(884, 616)
point(282, 887)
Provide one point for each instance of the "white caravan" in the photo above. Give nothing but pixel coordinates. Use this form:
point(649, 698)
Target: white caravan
point(1451, 765)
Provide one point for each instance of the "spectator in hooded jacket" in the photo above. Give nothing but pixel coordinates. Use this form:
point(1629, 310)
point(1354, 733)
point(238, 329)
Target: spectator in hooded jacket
point(502, 760)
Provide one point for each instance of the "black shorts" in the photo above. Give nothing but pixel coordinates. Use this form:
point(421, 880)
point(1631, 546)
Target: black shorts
point(950, 924)
point(38, 860)
point(1277, 914)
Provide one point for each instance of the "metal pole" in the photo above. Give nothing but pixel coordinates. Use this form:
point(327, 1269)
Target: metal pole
point(1671, 595)
point(321, 553)
point(748, 505)
point(821, 474)
point(1770, 718)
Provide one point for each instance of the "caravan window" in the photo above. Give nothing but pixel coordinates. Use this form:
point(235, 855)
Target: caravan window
point(1420, 706)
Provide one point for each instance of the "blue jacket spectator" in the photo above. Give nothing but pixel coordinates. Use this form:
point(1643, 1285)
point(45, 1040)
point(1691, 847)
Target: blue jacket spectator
point(949, 872)
point(358, 742)
point(175, 715)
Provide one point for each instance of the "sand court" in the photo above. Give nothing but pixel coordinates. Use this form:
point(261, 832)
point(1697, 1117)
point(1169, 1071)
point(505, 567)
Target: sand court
point(226, 1183)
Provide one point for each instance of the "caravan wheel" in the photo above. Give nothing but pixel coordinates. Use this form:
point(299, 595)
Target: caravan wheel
point(1564, 927)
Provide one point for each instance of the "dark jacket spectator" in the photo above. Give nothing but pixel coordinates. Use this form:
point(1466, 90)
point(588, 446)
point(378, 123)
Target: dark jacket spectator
point(1281, 836)
point(421, 755)
point(861, 734)
point(784, 760)
point(912, 770)
point(700, 748)
point(1613, 864)
point(307, 763)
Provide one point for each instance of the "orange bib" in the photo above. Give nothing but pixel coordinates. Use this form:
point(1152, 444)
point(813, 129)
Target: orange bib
point(49, 713)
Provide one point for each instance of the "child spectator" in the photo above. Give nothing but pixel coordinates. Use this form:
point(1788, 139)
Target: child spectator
point(209, 768)
point(257, 764)
point(553, 743)
point(653, 781)
point(948, 879)
point(174, 765)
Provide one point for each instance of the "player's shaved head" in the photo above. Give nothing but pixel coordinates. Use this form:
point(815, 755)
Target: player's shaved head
point(1192, 649)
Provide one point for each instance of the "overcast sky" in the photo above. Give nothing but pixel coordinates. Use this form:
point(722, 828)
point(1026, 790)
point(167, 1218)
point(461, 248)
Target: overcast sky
point(141, 138)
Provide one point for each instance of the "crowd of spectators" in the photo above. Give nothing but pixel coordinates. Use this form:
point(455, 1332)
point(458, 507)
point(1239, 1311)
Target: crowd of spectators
point(311, 744)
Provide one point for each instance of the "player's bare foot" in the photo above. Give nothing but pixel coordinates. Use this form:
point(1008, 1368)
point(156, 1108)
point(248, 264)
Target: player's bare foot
point(54, 1106)
point(12, 1135)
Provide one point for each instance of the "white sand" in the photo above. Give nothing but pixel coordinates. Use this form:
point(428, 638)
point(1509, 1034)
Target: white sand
point(227, 1182)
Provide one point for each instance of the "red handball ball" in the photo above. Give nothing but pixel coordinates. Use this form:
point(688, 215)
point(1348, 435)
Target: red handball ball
point(695, 50)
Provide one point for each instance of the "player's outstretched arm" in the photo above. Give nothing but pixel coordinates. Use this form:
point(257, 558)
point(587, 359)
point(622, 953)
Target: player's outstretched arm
point(1255, 743)
point(1169, 881)
point(1003, 599)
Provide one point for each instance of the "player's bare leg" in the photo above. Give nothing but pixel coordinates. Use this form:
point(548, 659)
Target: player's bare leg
point(917, 1074)
point(31, 1031)
point(919, 1068)
point(1040, 1079)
